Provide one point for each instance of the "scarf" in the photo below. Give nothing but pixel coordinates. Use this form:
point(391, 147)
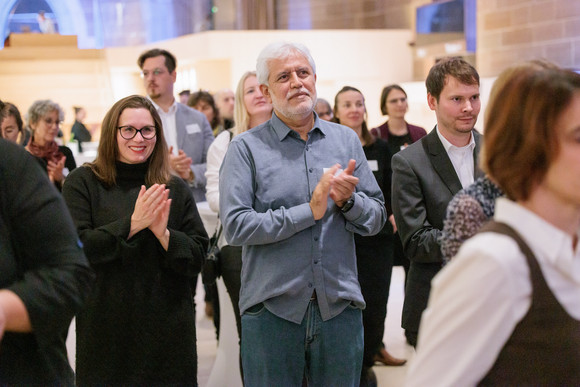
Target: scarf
point(48, 152)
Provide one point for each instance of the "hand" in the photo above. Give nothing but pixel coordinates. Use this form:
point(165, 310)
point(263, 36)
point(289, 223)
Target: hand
point(159, 224)
point(55, 170)
point(344, 185)
point(319, 201)
point(180, 163)
point(392, 220)
point(147, 206)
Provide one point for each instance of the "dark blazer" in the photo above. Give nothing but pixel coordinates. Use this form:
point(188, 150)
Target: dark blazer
point(194, 136)
point(424, 182)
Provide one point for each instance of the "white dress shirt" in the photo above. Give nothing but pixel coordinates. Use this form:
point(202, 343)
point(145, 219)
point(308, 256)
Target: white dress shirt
point(480, 296)
point(169, 125)
point(461, 158)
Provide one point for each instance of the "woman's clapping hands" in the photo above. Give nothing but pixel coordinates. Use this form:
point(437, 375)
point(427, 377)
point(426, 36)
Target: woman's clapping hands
point(152, 211)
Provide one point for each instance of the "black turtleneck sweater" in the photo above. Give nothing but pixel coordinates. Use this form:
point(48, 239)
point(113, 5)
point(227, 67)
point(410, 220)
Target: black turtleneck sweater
point(138, 327)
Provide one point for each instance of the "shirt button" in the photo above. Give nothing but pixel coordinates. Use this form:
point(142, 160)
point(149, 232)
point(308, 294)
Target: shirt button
point(309, 285)
point(310, 170)
point(316, 238)
point(316, 262)
point(307, 148)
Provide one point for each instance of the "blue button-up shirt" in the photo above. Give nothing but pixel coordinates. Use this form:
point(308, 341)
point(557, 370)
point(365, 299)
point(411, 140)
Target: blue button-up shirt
point(266, 183)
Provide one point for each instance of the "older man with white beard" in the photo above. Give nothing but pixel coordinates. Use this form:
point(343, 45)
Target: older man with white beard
point(286, 200)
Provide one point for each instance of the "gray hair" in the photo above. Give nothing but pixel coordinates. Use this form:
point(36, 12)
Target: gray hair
point(40, 108)
point(279, 50)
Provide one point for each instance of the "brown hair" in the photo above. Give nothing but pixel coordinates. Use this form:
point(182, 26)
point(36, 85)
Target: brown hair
point(366, 135)
point(520, 138)
point(170, 61)
point(455, 67)
point(8, 109)
point(108, 153)
point(385, 95)
point(206, 97)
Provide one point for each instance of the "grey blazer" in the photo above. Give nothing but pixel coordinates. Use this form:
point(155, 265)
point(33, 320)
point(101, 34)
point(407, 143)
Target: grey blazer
point(424, 182)
point(194, 136)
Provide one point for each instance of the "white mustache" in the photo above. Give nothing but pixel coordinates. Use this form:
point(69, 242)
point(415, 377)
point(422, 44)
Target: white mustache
point(301, 91)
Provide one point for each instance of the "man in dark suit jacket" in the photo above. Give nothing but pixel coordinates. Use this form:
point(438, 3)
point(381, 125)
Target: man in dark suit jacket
point(429, 172)
point(186, 130)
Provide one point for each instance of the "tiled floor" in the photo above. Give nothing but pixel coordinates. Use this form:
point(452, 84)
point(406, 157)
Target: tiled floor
point(394, 338)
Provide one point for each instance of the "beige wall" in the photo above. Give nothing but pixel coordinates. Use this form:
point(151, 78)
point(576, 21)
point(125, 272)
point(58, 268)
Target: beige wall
point(509, 31)
point(97, 78)
point(366, 59)
point(358, 14)
point(360, 58)
point(52, 67)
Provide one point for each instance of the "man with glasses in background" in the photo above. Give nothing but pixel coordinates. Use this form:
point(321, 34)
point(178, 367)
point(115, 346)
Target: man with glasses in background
point(186, 130)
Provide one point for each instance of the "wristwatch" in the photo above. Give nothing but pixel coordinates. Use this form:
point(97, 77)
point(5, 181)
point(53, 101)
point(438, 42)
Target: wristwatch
point(348, 205)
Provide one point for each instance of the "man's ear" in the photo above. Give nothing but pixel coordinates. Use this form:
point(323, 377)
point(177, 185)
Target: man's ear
point(174, 76)
point(431, 101)
point(266, 92)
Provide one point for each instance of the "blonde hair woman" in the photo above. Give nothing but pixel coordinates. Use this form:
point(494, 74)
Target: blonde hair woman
point(251, 109)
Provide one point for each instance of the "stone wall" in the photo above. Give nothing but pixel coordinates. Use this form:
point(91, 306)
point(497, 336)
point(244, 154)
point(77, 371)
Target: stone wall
point(344, 14)
point(510, 31)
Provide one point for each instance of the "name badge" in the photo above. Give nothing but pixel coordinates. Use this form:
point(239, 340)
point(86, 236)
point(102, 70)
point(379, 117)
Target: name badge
point(192, 128)
point(373, 165)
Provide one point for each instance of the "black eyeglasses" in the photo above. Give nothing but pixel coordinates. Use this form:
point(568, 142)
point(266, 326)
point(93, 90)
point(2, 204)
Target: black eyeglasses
point(128, 132)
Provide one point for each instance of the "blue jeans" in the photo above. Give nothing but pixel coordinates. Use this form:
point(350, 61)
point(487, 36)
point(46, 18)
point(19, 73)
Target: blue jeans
point(277, 352)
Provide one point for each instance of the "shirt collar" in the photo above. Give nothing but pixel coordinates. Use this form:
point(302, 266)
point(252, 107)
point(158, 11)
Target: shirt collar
point(449, 146)
point(172, 108)
point(541, 236)
point(282, 130)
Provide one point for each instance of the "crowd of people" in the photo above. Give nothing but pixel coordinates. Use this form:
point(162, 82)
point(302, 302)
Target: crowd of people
point(316, 208)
